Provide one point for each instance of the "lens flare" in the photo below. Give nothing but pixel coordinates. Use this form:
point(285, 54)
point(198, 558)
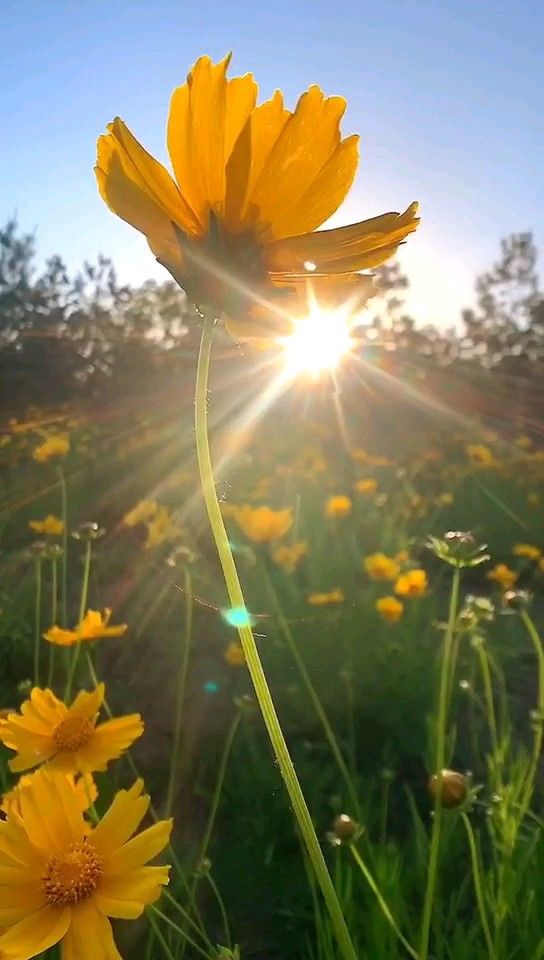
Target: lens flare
point(318, 342)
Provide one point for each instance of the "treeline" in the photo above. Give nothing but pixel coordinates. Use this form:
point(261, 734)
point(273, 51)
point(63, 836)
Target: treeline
point(88, 337)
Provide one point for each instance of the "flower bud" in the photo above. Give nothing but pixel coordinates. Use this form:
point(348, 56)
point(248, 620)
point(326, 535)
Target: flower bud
point(516, 599)
point(344, 829)
point(88, 530)
point(459, 548)
point(450, 789)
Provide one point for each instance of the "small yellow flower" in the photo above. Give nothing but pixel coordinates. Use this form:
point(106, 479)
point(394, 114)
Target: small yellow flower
point(324, 599)
point(289, 557)
point(262, 524)
point(144, 510)
point(56, 445)
point(64, 877)
point(381, 567)
point(50, 527)
point(479, 455)
point(444, 499)
point(366, 486)
point(338, 506)
point(94, 626)
point(527, 550)
point(160, 529)
point(68, 739)
point(234, 655)
point(252, 183)
point(390, 608)
point(413, 583)
point(503, 575)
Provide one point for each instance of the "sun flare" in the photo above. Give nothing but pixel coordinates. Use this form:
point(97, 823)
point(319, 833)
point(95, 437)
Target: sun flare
point(318, 342)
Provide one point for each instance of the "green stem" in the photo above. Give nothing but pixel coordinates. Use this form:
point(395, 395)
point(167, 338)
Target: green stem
point(182, 682)
point(54, 599)
point(381, 902)
point(222, 911)
point(445, 680)
point(82, 608)
point(312, 693)
point(219, 786)
point(491, 715)
point(37, 621)
point(478, 886)
point(249, 646)
point(64, 564)
point(537, 746)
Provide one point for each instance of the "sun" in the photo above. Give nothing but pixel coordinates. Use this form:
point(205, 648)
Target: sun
point(318, 342)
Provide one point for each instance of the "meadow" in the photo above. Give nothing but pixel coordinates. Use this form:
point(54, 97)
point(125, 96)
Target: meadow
point(392, 567)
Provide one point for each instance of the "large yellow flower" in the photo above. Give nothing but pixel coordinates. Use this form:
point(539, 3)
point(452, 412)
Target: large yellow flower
point(66, 738)
point(62, 878)
point(252, 183)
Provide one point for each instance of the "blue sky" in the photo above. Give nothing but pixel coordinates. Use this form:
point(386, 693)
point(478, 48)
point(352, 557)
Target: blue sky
point(446, 94)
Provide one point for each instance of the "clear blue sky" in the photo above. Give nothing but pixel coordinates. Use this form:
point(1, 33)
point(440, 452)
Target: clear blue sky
point(446, 94)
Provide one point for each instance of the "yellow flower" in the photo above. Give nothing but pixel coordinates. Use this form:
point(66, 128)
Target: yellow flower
point(523, 442)
point(526, 550)
point(84, 790)
point(160, 529)
point(479, 455)
point(323, 599)
point(389, 608)
point(289, 557)
point(413, 583)
point(338, 506)
point(366, 486)
point(235, 228)
point(144, 510)
point(66, 738)
point(444, 499)
point(503, 575)
point(94, 626)
point(50, 527)
point(262, 524)
point(381, 567)
point(62, 878)
point(55, 446)
point(234, 655)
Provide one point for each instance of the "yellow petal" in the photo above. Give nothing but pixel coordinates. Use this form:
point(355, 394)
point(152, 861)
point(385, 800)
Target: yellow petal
point(121, 820)
point(108, 742)
point(249, 155)
point(47, 705)
point(345, 249)
point(139, 850)
point(325, 193)
point(126, 195)
point(86, 705)
point(63, 638)
point(304, 146)
point(125, 896)
point(90, 936)
point(36, 933)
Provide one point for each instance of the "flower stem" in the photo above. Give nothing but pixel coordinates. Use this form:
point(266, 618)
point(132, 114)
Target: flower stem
point(82, 606)
point(37, 621)
point(54, 600)
point(539, 719)
point(477, 875)
point(64, 564)
point(312, 693)
point(381, 902)
point(182, 681)
point(249, 647)
point(440, 755)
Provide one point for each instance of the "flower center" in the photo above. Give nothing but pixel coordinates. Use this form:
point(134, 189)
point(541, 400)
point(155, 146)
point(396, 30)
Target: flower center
point(72, 733)
point(73, 875)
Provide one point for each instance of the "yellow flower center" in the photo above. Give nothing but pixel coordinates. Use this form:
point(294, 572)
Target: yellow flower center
point(73, 733)
point(73, 875)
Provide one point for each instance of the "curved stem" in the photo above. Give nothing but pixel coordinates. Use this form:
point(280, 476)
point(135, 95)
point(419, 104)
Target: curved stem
point(64, 563)
point(82, 607)
point(249, 647)
point(381, 902)
point(478, 886)
point(312, 693)
point(446, 674)
point(54, 599)
point(182, 681)
point(37, 621)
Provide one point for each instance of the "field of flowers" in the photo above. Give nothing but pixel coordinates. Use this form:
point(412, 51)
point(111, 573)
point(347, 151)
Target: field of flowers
point(390, 639)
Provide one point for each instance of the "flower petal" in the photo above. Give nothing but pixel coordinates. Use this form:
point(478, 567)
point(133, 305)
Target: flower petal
point(90, 936)
point(345, 249)
point(121, 820)
point(36, 933)
point(124, 896)
point(108, 742)
point(86, 705)
point(139, 850)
